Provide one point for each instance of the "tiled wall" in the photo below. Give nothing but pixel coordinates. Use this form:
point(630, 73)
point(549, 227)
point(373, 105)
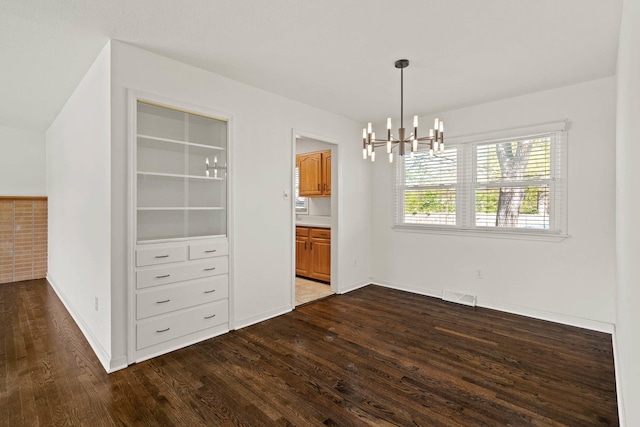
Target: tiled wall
point(23, 238)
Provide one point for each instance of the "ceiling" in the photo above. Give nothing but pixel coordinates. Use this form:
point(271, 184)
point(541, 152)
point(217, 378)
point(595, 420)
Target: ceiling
point(336, 55)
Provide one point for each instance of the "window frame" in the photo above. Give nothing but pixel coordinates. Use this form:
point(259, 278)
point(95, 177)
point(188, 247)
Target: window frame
point(467, 184)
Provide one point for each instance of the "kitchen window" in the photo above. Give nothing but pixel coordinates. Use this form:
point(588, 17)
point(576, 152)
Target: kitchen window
point(498, 185)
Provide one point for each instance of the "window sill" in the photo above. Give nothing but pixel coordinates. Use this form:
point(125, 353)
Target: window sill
point(489, 234)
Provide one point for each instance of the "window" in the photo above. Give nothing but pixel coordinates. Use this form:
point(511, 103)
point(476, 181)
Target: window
point(499, 185)
point(302, 203)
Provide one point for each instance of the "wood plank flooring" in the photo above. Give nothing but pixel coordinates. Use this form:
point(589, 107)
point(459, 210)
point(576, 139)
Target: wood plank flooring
point(375, 356)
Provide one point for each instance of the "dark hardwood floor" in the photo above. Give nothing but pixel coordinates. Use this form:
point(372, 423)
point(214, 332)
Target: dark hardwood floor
point(374, 356)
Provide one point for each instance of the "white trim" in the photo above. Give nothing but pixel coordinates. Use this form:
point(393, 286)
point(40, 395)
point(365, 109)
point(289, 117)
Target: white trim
point(103, 355)
point(617, 365)
point(490, 233)
point(353, 287)
point(519, 132)
point(336, 185)
point(266, 315)
point(549, 316)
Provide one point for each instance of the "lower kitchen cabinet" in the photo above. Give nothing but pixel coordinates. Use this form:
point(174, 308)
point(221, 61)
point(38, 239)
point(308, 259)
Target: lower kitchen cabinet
point(313, 253)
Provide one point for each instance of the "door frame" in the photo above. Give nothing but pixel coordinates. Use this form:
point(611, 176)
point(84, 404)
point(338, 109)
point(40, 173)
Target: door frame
point(336, 186)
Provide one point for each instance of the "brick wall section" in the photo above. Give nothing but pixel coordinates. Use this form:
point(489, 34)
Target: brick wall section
point(23, 239)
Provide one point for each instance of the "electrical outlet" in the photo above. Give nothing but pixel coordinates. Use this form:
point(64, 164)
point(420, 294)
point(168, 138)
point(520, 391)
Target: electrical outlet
point(479, 274)
point(96, 303)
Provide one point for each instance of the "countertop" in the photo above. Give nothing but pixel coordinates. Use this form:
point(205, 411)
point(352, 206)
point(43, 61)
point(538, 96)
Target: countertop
point(309, 224)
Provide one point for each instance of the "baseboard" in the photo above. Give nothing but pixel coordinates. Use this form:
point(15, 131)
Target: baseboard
point(402, 287)
point(103, 356)
point(549, 316)
point(618, 371)
point(512, 308)
point(252, 320)
point(353, 287)
point(117, 364)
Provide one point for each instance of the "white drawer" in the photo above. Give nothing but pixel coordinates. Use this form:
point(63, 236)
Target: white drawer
point(208, 250)
point(154, 276)
point(164, 299)
point(165, 255)
point(167, 327)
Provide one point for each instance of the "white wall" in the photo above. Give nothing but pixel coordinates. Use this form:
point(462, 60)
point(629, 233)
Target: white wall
point(261, 147)
point(22, 162)
point(627, 212)
point(78, 187)
point(572, 281)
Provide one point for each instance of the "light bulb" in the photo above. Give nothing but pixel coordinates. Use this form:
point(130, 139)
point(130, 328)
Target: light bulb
point(206, 161)
point(373, 156)
point(442, 148)
point(441, 126)
point(390, 157)
point(388, 146)
point(206, 173)
point(369, 127)
point(431, 133)
point(435, 145)
point(389, 123)
point(415, 121)
point(364, 153)
point(431, 153)
point(369, 149)
point(373, 136)
point(435, 123)
point(414, 146)
point(364, 133)
point(412, 155)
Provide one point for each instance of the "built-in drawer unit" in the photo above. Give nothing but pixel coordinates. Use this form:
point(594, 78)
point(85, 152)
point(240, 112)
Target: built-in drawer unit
point(166, 327)
point(164, 255)
point(181, 294)
point(208, 250)
point(302, 232)
point(163, 275)
point(165, 299)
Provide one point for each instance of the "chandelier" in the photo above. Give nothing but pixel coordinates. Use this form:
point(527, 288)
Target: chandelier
point(435, 140)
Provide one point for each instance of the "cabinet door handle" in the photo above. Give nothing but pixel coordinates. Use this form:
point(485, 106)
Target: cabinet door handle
point(163, 330)
point(209, 269)
point(208, 292)
point(162, 256)
point(162, 277)
point(311, 245)
point(325, 187)
point(209, 317)
point(162, 302)
point(305, 246)
point(211, 251)
point(318, 187)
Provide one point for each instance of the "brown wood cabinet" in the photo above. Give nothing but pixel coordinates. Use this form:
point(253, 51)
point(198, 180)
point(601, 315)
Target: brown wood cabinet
point(313, 253)
point(314, 170)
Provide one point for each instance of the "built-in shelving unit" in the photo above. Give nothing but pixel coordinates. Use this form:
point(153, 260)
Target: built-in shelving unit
point(181, 174)
point(179, 285)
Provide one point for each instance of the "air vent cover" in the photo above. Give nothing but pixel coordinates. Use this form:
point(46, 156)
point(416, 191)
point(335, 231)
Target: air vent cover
point(459, 297)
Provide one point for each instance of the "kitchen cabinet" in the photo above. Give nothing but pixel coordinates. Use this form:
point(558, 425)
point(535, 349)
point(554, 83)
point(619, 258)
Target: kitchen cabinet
point(313, 253)
point(314, 170)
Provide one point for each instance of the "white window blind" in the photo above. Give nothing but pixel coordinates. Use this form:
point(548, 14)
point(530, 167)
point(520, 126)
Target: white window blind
point(512, 185)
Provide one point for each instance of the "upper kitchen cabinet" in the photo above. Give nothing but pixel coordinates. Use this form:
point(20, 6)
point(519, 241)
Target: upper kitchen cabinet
point(315, 173)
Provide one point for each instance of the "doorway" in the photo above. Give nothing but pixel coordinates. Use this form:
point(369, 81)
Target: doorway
point(315, 189)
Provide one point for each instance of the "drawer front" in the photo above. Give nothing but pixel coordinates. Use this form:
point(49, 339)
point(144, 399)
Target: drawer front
point(165, 299)
point(208, 250)
point(178, 273)
point(155, 256)
point(321, 233)
point(302, 232)
point(167, 327)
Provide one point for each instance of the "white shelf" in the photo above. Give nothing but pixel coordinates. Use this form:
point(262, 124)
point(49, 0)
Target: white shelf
point(169, 208)
point(178, 142)
point(179, 176)
point(169, 239)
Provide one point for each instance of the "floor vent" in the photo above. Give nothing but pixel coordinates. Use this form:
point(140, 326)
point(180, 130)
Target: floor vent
point(460, 298)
